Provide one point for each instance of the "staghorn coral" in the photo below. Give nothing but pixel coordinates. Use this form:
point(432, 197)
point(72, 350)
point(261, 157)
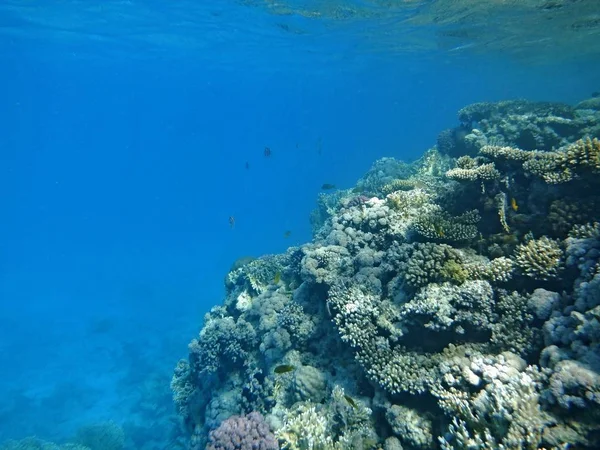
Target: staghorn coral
point(540, 259)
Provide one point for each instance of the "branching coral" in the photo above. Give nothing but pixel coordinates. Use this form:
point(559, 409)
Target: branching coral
point(540, 259)
point(580, 159)
point(439, 225)
point(484, 172)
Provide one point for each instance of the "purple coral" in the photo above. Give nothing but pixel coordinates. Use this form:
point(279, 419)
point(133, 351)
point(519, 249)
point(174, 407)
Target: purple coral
point(249, 432)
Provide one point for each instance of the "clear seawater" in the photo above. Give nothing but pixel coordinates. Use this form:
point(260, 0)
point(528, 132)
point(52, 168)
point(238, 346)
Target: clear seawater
point(131, 131)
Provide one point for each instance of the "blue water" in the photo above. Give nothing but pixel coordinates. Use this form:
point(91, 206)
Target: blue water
point(124, 140)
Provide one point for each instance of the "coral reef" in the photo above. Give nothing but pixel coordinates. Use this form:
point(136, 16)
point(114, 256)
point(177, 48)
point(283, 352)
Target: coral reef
point(102, 436)
point(37, 444)
point(453, 302)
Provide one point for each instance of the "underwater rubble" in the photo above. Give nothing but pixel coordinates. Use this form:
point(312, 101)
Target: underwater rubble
point(452, 303)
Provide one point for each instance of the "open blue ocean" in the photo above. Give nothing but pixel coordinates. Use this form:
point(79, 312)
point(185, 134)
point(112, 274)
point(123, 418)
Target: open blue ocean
point(148, 149)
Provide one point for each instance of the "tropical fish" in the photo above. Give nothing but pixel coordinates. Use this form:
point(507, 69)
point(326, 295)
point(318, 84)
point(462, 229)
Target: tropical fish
point(513, 204)
point(283, 368)
point(287, 234)
point(267, 152)
point(247, 165)
point(327, 186)
point(350, 401)
point(277, 278)
point(439, 230)
point(232, 221)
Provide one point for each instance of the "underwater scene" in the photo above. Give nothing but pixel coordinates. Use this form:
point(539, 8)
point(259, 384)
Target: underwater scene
point(299, 225)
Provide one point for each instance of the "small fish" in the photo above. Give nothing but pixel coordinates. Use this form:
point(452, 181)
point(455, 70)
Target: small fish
point(287, 234)
point(513, 204)
point(327, 186)
point(277, 278)
point(439, 230)
point(247, 165)
point(350, 401)
point(284, 368)
point(267, 152)
point(232, 221)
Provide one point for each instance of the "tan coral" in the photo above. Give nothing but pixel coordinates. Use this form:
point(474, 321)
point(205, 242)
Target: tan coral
point(580, 158)
point(539, 258)
point(483, 172)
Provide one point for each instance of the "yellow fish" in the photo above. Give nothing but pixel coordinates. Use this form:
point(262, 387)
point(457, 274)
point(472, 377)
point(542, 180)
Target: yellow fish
point(513, 204)
point(277, 278)
point(284, 368)
point(287, 234)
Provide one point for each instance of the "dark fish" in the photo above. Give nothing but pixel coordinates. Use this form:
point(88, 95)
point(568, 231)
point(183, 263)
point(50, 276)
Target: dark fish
point(267, 152)
point(287, 234)
point(284, 368)
point(231, 221)
point(596, 94)
point(350, 401)
point(327, 186)
point(247, 165)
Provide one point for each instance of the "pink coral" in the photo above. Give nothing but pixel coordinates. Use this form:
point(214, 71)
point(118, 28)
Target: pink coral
point(249, 432)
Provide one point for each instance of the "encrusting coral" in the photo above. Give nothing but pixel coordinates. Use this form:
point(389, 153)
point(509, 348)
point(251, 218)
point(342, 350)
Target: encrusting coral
point(447, 302)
